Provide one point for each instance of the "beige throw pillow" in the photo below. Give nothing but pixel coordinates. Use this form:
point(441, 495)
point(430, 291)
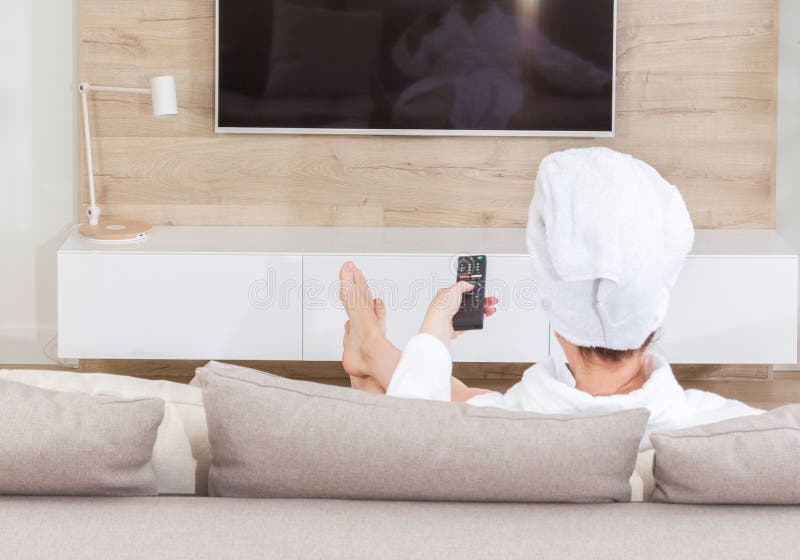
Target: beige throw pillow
point(181, 455)
point(54, 443)
point(748, 460)
point(278, 438)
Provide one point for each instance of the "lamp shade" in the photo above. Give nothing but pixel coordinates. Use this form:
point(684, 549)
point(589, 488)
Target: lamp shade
point(165, 100)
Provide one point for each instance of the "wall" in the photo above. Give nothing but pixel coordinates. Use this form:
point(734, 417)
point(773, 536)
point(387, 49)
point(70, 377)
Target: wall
point(37, 170)
point(696, 98)
point(788, 170)
point(686, 67)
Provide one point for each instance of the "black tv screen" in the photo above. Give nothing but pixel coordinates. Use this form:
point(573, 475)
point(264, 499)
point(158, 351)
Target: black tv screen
point(449, 67)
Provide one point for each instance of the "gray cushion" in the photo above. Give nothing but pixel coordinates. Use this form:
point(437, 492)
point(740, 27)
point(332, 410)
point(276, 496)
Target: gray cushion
point(241, 529)
point(54, 443)
point(181, 454)
point(322, 53)
point(749, 460)
point(275, 437)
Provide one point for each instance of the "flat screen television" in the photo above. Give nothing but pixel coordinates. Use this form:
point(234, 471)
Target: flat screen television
point(416, 67)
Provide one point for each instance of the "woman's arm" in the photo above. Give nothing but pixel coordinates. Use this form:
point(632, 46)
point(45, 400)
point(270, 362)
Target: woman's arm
point(424, 370)
point(461, 393)
point(439, 323)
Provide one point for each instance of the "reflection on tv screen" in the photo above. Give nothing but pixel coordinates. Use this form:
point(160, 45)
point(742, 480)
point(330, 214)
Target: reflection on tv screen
point(438, 65)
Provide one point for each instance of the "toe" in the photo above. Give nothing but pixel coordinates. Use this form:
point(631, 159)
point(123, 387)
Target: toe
point(346, 272)
point(346, 282)
point(380, 312)
point(358, 276)
point(380, 308)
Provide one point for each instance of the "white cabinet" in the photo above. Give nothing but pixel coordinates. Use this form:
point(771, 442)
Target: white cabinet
point(733, 310)
point(518, 333)
point(259, 293)
point(174, 306)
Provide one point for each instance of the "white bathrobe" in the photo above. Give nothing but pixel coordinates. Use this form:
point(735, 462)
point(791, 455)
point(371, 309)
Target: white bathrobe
point(484, 61)
point(425, 369)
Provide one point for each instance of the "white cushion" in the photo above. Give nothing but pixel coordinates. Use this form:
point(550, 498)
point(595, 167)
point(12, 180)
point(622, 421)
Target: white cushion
point(181, 453)
point(642, 480)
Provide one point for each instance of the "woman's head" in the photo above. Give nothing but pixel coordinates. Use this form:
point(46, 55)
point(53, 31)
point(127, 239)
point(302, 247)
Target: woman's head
point(604, 371)
point(607, 237)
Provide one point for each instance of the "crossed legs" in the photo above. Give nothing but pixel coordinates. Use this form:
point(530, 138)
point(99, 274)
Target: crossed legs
point(368, 357)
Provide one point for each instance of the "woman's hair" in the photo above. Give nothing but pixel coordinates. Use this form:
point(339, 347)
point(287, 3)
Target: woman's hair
point(607, 355)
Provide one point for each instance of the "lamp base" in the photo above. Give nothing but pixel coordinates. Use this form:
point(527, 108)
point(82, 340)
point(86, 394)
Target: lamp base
point(116, 230)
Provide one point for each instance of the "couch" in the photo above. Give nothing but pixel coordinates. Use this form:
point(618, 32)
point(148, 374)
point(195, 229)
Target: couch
point(196, 526)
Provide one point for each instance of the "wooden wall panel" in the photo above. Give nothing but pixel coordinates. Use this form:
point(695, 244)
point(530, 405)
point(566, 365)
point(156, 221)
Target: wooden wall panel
point(696, 98)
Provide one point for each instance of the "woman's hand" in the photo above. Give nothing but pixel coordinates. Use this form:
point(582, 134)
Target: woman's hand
point(439, 317)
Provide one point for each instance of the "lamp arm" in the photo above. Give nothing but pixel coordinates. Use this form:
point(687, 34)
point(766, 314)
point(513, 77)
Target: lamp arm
point(89, 87)
point(162, 91)
point(93, 211)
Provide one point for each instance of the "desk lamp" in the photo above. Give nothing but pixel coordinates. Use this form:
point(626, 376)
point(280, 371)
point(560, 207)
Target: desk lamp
point(165, 102)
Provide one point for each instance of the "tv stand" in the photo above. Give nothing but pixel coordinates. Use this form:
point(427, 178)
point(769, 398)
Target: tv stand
point(261, 293)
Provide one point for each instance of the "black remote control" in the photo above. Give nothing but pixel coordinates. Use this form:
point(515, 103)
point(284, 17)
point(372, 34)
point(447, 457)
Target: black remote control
point(470, 314)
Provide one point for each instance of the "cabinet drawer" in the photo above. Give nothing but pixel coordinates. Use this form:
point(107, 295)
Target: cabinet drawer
point(167, 306)
point(407, 285)
point(727, 310)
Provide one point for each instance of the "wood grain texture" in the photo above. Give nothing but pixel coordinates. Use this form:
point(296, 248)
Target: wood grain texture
point(697, 87)
point(782, 390)
point(490, 375)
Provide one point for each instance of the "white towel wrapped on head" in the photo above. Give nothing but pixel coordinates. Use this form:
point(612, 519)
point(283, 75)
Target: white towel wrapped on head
point(607, 236)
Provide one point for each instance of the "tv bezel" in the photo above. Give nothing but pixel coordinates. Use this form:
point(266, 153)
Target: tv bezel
point(416, 132)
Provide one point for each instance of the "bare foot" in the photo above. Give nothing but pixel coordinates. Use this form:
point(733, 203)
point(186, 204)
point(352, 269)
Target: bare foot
point(366, 383)
point(365, 328)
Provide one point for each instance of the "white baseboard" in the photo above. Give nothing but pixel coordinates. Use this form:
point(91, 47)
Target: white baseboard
point(27, 346)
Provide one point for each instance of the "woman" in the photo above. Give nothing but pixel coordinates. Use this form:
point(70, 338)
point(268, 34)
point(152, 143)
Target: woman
point(607, 237)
